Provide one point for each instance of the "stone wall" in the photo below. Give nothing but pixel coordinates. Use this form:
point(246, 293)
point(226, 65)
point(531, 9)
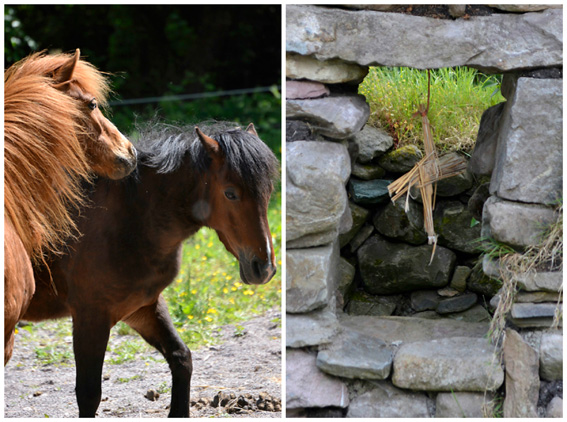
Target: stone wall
point(372, 329)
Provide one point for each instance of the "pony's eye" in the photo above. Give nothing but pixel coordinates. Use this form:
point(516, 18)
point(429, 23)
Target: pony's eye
point(230, 194)
point(93, 104)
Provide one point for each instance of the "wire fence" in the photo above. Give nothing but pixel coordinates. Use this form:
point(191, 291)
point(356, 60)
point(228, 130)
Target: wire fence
point(195, 96)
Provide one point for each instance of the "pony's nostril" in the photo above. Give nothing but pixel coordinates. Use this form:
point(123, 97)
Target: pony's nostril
point(124, 161)
point(257, 268)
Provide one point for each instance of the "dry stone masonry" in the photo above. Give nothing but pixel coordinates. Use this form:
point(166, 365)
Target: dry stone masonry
point(373, 329)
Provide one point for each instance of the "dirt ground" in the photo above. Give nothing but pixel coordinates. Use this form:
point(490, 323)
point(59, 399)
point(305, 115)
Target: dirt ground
point(243, 371)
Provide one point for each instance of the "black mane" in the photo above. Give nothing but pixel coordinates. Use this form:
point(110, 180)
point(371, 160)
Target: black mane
point(167, 147)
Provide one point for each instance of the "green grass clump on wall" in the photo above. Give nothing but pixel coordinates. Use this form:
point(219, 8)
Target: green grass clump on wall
point(459, 96)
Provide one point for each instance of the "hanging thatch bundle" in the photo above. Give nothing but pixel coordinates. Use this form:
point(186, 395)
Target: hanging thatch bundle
point(425, 175)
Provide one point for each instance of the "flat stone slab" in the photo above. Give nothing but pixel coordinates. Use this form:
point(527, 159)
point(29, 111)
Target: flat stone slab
point(316, 196)
point(522, 377)
point(371, 143)
point(364, 233)
point(307, 386)
point(387, 401)
point(364, 304)
point(529, 165)
point(448, 364)
point(459, 279)
point(328, 71)
point(346, 273)
point(551, 356)
point(401, 330)
point(534, 314)
point(369, 192)
point(311, 277)
point(484, 154)
point(337, 117)
point(496, 43)
point(367, 171)
point(533, 310)
point(359, 216)
point(475, 314)
point(541, 281)
point(555, 408)
point(515, 223)
point(522, 8)
point(457, 304)
point(302, 89)
point(314, 328)
point(424, 300)
point(355, 355)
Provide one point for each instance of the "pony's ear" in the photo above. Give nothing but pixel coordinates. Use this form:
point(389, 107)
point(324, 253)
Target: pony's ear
point(251, 129)
point(65, 72)
point(209, 143)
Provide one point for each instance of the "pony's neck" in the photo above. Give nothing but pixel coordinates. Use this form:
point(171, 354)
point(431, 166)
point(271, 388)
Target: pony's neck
point(165, 201)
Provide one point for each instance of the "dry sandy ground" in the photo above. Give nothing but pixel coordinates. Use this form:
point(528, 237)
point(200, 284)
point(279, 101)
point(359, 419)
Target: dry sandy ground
point(247, 365)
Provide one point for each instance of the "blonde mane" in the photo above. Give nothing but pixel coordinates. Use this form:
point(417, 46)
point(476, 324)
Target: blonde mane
point(44, 159)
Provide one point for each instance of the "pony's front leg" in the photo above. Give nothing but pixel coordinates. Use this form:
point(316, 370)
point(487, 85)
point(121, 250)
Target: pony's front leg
point(154, 325)
point(91, 329)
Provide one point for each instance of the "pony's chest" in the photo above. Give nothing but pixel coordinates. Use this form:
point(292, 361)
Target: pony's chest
point(149, 270)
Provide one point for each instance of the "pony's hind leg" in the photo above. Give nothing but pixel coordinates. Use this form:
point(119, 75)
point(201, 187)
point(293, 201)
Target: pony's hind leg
point(91, 330)
point(154, 325)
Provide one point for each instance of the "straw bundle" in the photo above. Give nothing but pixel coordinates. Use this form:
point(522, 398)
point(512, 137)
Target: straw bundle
point(425, 175)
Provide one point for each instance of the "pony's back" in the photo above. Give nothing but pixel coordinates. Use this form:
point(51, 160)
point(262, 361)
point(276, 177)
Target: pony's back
point(43, 158)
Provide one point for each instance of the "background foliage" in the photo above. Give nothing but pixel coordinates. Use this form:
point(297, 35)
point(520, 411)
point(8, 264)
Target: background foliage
point(157, 51)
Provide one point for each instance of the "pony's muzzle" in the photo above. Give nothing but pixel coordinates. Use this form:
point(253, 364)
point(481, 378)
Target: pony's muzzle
point(125, 164)
point(256, 270)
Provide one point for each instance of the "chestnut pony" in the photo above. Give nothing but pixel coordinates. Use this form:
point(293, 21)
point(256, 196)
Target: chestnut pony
point(132, 238)
point(54, 136)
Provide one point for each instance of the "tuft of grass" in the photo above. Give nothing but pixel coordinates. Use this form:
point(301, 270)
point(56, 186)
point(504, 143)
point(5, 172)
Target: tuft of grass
point(459, 96)
point(54, 354)
point(128, 379)
point(129, 350)
point(208, 293)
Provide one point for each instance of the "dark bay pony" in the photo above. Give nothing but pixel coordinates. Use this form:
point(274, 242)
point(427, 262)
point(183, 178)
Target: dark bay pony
point(131, 243)
point(54, 137)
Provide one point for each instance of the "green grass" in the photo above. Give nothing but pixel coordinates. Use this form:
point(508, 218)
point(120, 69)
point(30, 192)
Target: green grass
point(458, 98)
